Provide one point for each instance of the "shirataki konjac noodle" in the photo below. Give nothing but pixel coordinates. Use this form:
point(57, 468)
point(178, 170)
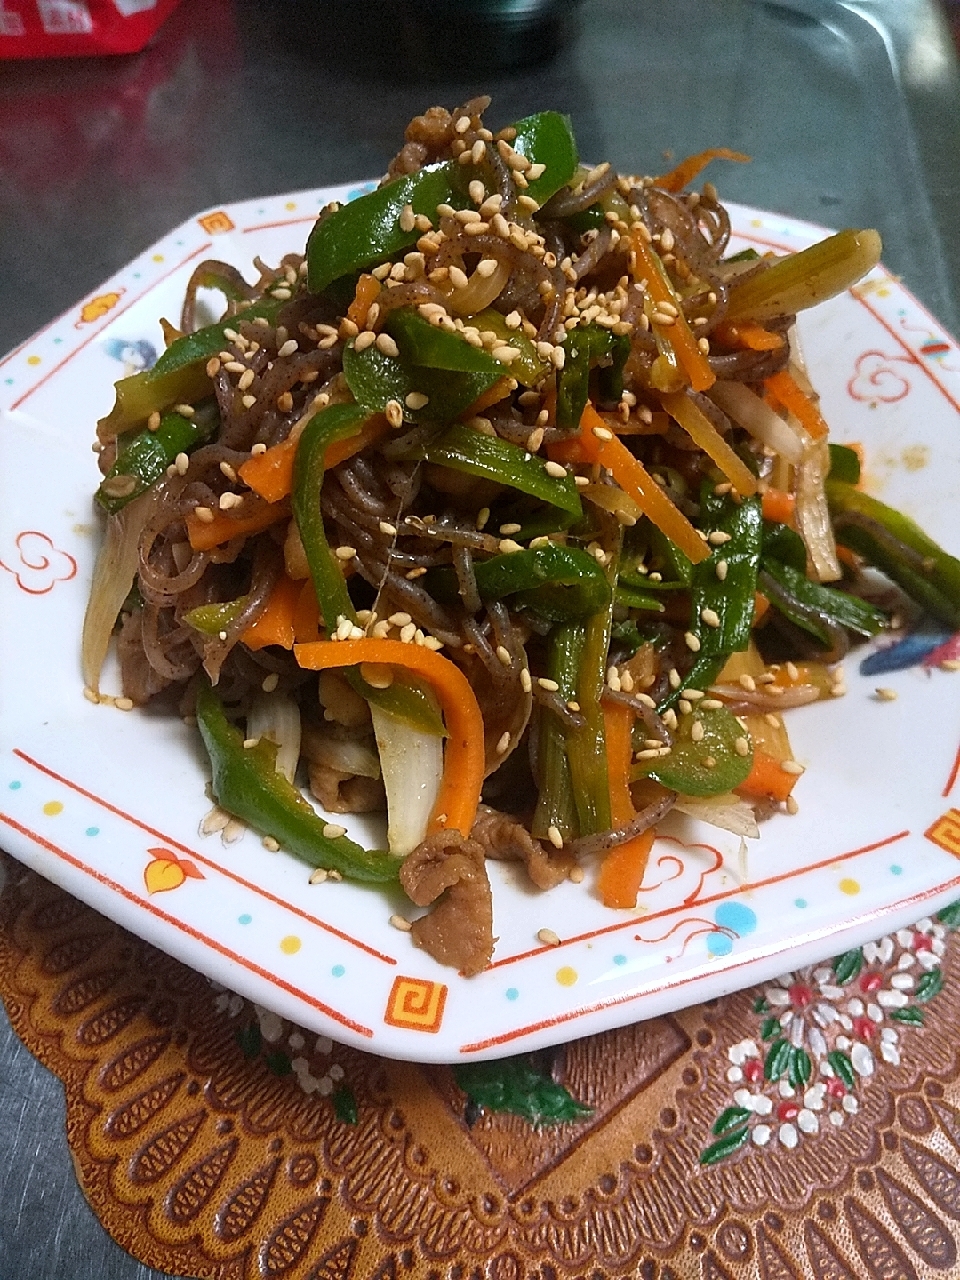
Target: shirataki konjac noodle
point(509, 508)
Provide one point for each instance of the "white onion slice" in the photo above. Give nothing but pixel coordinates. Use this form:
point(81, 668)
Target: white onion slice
point(753, 414)
point(411, 763)
point(813, 514)
point(479, 291)
point(277, 717)
point(726, 811)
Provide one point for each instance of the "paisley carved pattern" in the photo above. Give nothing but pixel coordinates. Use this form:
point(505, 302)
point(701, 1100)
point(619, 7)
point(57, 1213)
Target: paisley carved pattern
point(284, 1249)
point(825, 1262)
point(879, 1252)
point(928, 1238)
point(77, 996)
point(164, 1151)
point(129, 1065)
point(245, 1205)
point(202, 1162)
point(133, 1115)
point(109, 1022)
point(189, 1196)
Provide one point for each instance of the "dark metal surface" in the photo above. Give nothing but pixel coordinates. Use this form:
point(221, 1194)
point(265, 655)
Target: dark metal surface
point(850, 108)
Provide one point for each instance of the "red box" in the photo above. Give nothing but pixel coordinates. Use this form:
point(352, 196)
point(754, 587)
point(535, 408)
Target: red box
point(78, 28)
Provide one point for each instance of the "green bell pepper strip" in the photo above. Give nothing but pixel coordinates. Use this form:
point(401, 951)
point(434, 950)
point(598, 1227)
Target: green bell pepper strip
point(555, 802)
point(211, 619)
point(409, 702)
point(782, 543)
point(464, 449)
point(246, 783)
point(840, 607)
point(140, 395)
point(686, 769)
point(926, 572)
point(585, 348)
point(732, 599)
point(147, 455)
point(634, 599)
point(547, 138)
point(586, 747)
point(197, 348)
point(375, 379)
point(367, 230)
point(423, 343)
point(558, 583)
point(844, 464)
point(528, 369)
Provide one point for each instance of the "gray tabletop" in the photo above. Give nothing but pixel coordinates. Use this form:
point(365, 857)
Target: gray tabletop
point(850, 109)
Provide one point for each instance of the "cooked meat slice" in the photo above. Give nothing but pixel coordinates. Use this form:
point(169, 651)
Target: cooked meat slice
point(449, 869)
point(345, 792)
point(138, 679)
point(506, 840)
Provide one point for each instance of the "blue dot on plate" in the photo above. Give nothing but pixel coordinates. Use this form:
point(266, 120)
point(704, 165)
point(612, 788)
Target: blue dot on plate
point(92, 831)
point(15, 785)
point(718, 944)
point(619, 959)
point(736, 917)
point(512, 993)
point(338, 971)
point(800, 902)
point(896, 870)
point(244, 919)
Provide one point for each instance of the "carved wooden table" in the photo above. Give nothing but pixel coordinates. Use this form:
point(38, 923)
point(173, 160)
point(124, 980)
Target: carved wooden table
point(808, 1128)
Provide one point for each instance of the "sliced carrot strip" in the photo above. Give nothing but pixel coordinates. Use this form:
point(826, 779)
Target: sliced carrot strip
point(679, 335)
point(493, 395)
point(702, 431)
point(306, 616)
point(275, 624)
point(205, 535)
point(767, 779)
point(463, 758)
point(270, 474)
point(747, 335)
point(621, 873)
point(617, 727)
point(784, 387)
point(778, 506)
point(683, 173)
point(367, 289)
point(632, 477)
point(761, 604)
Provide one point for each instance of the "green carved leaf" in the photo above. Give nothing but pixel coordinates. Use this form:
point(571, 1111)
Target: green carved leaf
point(929, 985)
point(760, 1005)
point(847, 966)
point(799, 1067)
point(843, 1067)
point(950, 916)
point(776, 1060)
point(514, 1085)
point(910, 1015)
point(724, 1146)
point(770, 1028)
point(730, 1119)
point(345, 1105)
point(249, 1039)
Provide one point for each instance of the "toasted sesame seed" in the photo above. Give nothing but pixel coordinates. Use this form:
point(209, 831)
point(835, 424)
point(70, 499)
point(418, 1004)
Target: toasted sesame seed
point(710, 617)
point(504, 655)
point(345, 553)
point(505, 354)
point(399, 619)
point(691, 641)
point(364, 340)
point(534, 441)
point(546, 683)
point(184, 410)
point(248, 401)
point(717, 538)
point(285, 402)
point(250, 743)
point(742, 746)
point(791, 766)
point(203, 514)
point(387, 346)
point(697, 731)
point(886, 695)
point(416, 400)
point(319, 876)
point(526, 683)
point(389, 529)
point(229, 500)
point(401, 923)
point(118, 486)
point(555, 469)
point(504, 744)
point(792, 805)
point(333, 831)
point(394, 413)
point(245, 379)
point(711, 704)
point(510, 528)
point(603, 433)
point(477, 151)
point(576, 875)
point(721, 569)
point(685, 706)
point(507, 546)
point(673, 678)
point(408, 219)
point(792, 671)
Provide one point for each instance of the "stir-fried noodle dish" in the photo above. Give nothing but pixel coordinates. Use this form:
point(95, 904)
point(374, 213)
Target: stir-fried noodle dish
point(506, 508)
